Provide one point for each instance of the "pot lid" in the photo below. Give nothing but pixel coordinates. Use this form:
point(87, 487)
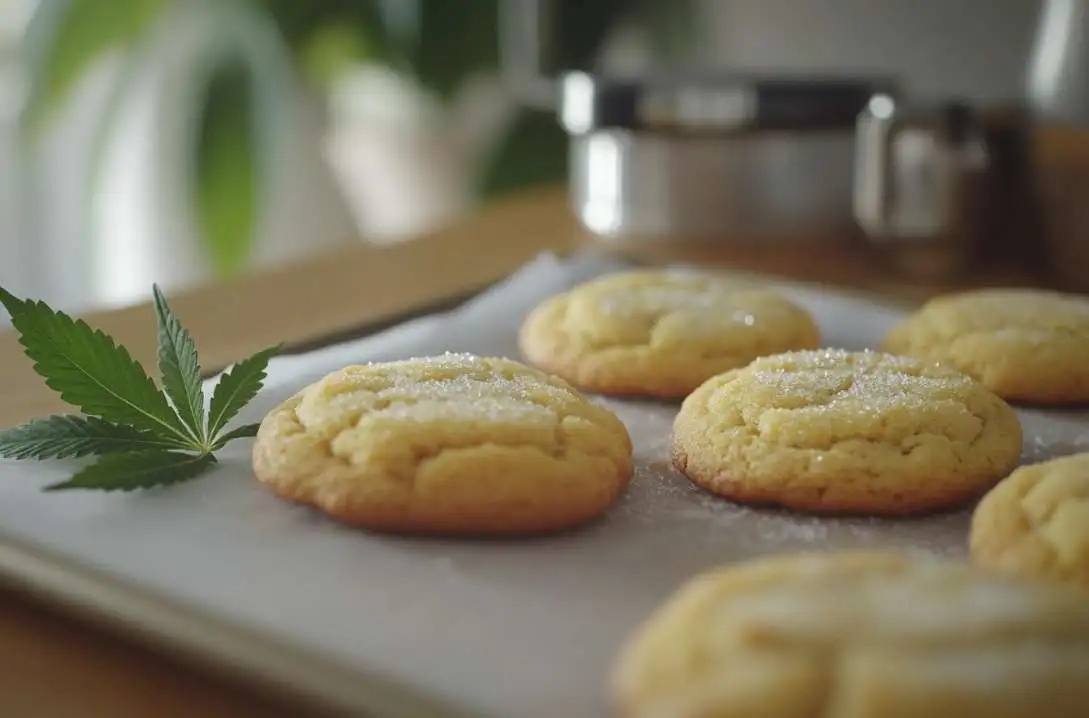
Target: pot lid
point(714, 103)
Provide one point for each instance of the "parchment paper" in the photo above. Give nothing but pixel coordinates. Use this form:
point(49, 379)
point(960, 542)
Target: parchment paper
point(503, 629)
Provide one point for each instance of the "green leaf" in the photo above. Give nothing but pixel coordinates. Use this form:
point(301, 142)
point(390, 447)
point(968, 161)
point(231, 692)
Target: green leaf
point(180, 367)
point(139, 470)
point(66, 436)
point(455, 40)
point(334, 49)
point(237, 388)
point(672, 27)
point(580, 29)
point(226, 186)
point(534, 151)
point(12, 303)
point(329, 35)
point(298, 23)
point(67, 38)
point(89, 370)
point(242, 432)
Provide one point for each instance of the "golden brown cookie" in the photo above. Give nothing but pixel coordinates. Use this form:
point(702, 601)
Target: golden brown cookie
point(858, 635)
point(1024, 344)
point(1035, 523)
point(447, 444)
point(846, 432)
point(659, 334)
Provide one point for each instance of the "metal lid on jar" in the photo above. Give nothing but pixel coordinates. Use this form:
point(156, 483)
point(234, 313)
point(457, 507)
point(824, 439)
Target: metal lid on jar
point(714, 104)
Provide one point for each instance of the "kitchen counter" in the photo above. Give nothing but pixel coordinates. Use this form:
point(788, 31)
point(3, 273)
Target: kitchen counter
point(54, 664)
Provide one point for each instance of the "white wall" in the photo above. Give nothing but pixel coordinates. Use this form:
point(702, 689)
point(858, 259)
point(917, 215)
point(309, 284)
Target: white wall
point(978, 49)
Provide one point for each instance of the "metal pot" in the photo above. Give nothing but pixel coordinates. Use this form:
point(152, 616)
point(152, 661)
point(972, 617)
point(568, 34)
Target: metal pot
point(735, 158)
point(732, 157)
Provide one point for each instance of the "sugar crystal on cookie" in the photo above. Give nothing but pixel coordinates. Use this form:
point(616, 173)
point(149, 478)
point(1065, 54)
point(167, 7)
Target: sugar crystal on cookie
point(659, 334)
point(848, 432)
point(453, 443)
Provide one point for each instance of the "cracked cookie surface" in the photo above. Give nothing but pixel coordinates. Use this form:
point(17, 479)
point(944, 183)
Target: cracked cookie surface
point(1023, 344)
point(857, 635)
point(659, 334)
point(446, 444)
point(846, 432)
point(1035, 523)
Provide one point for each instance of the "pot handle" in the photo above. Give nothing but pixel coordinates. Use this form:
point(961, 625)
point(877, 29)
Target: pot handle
point(873, 186)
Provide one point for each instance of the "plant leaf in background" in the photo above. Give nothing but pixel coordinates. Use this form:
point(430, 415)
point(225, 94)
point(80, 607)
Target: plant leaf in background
point(66, 38)
point(453, 41)
point(580, 29)
point(675, 29)
point(331, 50)
point(227, 178)
point(333, 35)
point(441, 43)
point(532, 152)
point(535, 149)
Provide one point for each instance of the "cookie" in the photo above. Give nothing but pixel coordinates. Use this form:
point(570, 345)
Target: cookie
point(858, 635)
point(846, 432)
point(659, 334)
point(1035, 524)
point(448, 444)
point(1024, 344)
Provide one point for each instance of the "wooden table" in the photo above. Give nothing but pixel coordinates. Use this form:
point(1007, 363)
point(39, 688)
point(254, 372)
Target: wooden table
point(53, 665)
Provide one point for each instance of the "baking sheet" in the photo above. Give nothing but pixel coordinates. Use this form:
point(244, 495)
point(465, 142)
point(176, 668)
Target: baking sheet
point(498, 628)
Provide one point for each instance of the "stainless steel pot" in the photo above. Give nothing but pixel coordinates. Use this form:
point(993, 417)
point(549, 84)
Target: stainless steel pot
point(731, 157)
point(738, 158)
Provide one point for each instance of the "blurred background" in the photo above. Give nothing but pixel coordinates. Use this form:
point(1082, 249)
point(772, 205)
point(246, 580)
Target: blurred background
point(180, 141)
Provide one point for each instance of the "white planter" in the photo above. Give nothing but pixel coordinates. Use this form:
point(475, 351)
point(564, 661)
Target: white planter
point(408, 164)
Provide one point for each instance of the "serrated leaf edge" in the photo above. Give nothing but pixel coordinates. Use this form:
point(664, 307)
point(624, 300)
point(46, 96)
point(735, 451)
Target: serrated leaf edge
point(189, 406)
point(138, 440)
point(246, 431)
point(260, 360)
point(113, 344)
point(198, 462)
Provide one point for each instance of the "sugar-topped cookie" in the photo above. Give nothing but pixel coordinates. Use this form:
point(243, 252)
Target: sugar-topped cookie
point(1035, 523)
point(858, 635)
point(846, 432)
point(1023, 344)
point(447, 444)
point(659, 334)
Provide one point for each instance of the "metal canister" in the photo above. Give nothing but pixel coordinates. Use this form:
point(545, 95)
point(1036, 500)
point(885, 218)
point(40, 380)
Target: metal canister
point(733, 158)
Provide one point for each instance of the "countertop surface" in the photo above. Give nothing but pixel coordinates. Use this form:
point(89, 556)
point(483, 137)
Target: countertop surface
point(54, 664)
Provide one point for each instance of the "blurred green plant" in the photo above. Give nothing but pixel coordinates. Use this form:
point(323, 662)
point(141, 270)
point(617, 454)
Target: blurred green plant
point(439, 43)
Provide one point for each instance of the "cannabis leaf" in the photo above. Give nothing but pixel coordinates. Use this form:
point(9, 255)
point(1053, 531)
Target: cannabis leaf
point(89, 370)
point(66, 436)
point(145, 435)
point(138, 470)
point(180, 368)
point(241, 432)
point(237, 388)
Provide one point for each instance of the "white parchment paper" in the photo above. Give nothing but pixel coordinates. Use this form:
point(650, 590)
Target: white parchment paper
point(503, 629)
